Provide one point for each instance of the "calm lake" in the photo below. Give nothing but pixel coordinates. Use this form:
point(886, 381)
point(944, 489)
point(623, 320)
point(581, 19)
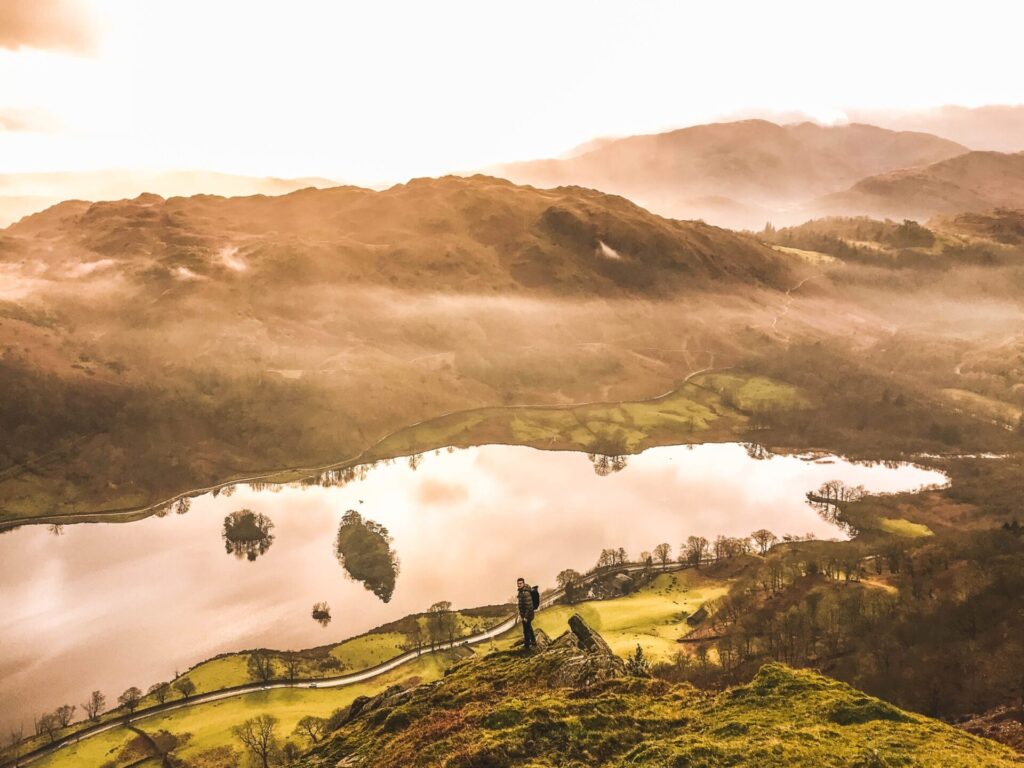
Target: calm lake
point(106, 606)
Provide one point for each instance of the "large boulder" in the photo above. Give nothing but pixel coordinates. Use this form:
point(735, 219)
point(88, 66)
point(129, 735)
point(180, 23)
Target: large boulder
point(588, 659)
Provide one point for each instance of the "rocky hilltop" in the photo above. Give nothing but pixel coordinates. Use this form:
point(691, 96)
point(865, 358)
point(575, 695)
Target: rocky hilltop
point(572, 704)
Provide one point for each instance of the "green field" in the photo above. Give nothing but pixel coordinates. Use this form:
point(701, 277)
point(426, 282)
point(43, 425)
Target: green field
point(351, 655)
point(99, 750)
point(902, 527)
point(653, 617)
point(205, 727)
point(811, 257)
point(753, 394)
point(710, 406)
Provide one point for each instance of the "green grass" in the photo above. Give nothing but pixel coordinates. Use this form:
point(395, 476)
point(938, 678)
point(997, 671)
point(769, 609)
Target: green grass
point(369, 650)
point(811, 257)
point(218, 673)
point(95, 751)
point(625, 427)
point(501, 710)
point(653, 617)
point(899, 526)
point(351, 655)
point(211, 724)
point(754, 394)
point(436, 433)
point(207, 726)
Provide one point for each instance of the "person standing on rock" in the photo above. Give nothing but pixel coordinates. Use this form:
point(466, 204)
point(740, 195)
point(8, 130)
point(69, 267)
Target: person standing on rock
point(529, 600)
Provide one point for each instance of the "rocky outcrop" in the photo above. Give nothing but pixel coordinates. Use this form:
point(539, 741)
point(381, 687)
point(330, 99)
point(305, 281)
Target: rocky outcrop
point(1004, 724)
point(587, 658)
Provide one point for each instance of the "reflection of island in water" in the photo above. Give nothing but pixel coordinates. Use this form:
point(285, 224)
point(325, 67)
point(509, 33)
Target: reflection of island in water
point(322, 613)
point(247, 533)
point(364, 549)
point(605, 465)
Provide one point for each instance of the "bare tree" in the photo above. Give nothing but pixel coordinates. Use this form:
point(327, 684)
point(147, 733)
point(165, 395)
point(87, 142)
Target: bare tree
point(313, 728)
point(696, 549)
point(663, 553)
point(570, 581)
point(47, 724)
point(64, 714)
point(16, 738)
point(292, 664)
point(261, 666)
point(160, 692)
point(130, 699)
point(606, 558)
point(442, 622)
point(257, 735)
point(97, 703)
point(185, 687)
point(764, 539)
point(418, 636)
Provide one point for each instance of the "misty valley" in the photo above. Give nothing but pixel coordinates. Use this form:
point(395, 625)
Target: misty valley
point(538, 385)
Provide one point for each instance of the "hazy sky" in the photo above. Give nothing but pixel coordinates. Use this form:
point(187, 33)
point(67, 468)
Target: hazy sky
point(377, 91)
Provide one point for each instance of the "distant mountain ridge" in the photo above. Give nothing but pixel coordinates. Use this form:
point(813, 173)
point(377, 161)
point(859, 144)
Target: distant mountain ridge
point(735, 173)
point(450, 234)
point(22, 194)
point(998, 127)
point(972, 182)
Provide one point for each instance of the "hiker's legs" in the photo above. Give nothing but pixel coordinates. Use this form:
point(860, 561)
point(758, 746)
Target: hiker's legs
point(528, 637)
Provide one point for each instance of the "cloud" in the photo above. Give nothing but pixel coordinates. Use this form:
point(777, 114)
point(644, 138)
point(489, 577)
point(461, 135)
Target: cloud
point(436, 492)
point(35, 120)
point(46, 24)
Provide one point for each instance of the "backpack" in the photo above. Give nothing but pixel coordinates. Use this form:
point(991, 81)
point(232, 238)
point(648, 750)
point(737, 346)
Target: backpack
point(535, 596)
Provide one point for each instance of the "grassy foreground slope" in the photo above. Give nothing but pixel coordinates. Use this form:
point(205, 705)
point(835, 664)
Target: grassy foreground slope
point(571, 705)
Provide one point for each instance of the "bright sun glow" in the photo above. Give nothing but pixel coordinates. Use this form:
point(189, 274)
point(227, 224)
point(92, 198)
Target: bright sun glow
point(375, 92)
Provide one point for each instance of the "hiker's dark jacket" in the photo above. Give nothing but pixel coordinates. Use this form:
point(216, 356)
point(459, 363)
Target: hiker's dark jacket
point(525, 603)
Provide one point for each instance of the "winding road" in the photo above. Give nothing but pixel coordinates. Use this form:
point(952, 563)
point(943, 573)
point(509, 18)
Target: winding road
point(327, 682)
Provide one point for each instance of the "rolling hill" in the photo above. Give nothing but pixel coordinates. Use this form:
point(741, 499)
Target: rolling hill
point(573, 705)
point(998, 127)
point(449, 234)
point(22, 194)
point(972, 182)
point(736, 173)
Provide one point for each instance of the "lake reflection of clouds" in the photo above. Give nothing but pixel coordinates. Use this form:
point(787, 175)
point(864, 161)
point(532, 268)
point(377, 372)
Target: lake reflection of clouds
point(108, 606)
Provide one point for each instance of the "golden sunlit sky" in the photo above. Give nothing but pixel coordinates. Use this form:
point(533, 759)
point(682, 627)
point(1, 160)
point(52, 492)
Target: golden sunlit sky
point(371, 92)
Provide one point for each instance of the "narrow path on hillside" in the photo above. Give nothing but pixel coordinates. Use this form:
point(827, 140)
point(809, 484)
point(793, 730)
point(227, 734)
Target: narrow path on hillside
point(788, 302)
